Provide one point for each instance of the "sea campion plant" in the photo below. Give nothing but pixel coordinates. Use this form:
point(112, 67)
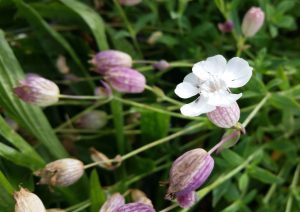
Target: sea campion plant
point(110, 132)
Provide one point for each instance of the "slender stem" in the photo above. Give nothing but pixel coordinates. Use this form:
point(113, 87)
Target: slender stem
point(144, 61)
point(128, 25)
point(64, 96)
point(147, 107)
point(225, 139)
point(160, 94)
point(256, 109)
point(293, 185)
point(150, 145)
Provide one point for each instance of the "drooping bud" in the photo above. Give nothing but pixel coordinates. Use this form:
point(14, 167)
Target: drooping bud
point(136, 206)
point(104, 91)
point(113, 203)
point(104, 161)
point(187, 200)
point(126, 80)
point(92, 120)
point(226, 27)
point(130, 2)
point(28, 202)
point(161, 65)
point(188, 173)
point(253, 21)
point(225, 117)
point(139, 196)
point(63, 172)
point(105, 60)
point(37, 90)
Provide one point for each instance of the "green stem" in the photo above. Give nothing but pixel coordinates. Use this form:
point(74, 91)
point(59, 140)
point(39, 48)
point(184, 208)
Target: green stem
point(150, 145)
point(256, 109)
point(160, 94)
point(147, 107)
point(293, 185)
point(128, 25)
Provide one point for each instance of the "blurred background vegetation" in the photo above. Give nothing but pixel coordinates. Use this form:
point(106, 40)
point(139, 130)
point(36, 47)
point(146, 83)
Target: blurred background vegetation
point(260, 173)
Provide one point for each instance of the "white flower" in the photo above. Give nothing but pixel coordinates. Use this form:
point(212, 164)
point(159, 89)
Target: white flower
point(212, 79)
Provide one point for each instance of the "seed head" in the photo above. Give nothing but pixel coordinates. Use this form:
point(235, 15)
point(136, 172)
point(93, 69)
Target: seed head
point(63, 172)
point(28, 202)
point(37, 90)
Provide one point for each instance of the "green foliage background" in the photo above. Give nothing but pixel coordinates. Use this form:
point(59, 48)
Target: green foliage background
point(260, 173)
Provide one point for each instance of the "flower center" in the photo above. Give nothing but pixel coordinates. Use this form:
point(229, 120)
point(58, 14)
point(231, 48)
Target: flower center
point(213, 84)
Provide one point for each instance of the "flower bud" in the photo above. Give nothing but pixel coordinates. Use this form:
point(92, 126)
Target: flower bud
point(105, 60)
point(126, 80)
point(225, 117)
point(113, 203)
point(139, 196)
point(92, 120)
point(253, 21)
point(135, 207)
point(188, 173)
point(28, 202)
point(63, 172)
point(61, 65)
point(161, 65)
point(154, 37)
point(225, 27)
point(187, 200)
point(97, 156)
point(37, 90)
point(130, 2)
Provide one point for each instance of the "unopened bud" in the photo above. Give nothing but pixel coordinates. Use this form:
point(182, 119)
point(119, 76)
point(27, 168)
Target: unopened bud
point(113, 203)
point(253, 21)
point(136, 206)
point(105, 60)
point(28, 202)
point(104, 90)
point(154, 37)
point(104, 161)
point(63, 172)
point(161, 65)
point(139, 196)
point(225, 117)
point(61, 65)
point(188, 173)
point(130, 2)
point(225, 27)
point(126, 80)
point(92, 120)
point(37, 90)
point(187, 200)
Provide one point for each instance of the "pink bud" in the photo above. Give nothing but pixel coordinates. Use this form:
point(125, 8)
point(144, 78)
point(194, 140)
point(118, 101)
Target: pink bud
point(225, 117)
point(126, 80)
point(253, 21)
point(187, 200)
point(225, 27)
point(130, 2)
point(113, 203)
point(104, 90)
point(110, 58)
point(161, 65)
point(135, 207)
point(187, 174)
point(92, 120)
point(37, 90)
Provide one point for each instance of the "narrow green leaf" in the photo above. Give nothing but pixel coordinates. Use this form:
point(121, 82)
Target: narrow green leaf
point(93, 20)
point(29, 117)
point(97, 195)
point(284, 102)
point(6, 184)
point(243, 182)
point(232, 158)
point(263, 175)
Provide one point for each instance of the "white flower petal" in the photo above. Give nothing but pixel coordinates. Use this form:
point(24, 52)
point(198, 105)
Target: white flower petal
point(192, 78)
point(221, 98)
point(211, 66)
point(197, 107)
point(237, 73)
point(186, 90)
